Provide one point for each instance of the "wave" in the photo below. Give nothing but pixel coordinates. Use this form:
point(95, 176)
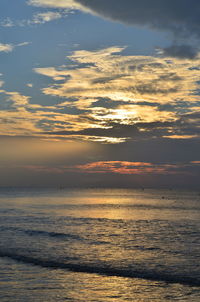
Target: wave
point(55, 235)
point(71, 236)
point(104, 270)
point(145, 206)
point(41, 233)
point(50, 234)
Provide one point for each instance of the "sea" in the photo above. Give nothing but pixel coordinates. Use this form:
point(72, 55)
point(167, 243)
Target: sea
point(108, 245)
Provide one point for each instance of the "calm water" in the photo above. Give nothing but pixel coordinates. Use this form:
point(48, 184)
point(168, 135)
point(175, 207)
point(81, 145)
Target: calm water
point(99, 245)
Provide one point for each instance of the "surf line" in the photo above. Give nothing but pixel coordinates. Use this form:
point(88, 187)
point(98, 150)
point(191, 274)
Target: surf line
point(104, 270)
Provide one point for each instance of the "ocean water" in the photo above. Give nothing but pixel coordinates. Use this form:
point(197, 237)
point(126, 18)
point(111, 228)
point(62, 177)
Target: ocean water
point(99, 245)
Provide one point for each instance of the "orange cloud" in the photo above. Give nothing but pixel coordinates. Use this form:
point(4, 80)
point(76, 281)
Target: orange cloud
point(123, 167)
point(117, 167)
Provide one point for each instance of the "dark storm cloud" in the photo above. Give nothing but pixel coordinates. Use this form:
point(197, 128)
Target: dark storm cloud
point(180, 51)
point(174, 15)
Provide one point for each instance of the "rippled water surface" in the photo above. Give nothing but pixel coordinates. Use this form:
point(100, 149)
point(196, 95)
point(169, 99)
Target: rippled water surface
point(99, 245)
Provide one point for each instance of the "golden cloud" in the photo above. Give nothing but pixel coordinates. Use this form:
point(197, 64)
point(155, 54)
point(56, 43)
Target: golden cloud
point(66, 4)
point(6, 47)
point(138, 85)
point(123, 78)
point(108, 90)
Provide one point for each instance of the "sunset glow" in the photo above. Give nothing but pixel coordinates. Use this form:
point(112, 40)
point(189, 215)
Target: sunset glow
point(114, 84)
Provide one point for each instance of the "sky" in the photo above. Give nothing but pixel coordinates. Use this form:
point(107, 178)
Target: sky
point(100, 93)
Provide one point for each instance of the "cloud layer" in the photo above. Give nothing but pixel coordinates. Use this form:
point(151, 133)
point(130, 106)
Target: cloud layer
point(123, 96)
point(105, 96)
point(173, 15)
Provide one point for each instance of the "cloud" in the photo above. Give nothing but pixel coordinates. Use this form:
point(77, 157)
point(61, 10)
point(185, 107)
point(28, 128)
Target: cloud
point(111, 76)
point(113, 132)
point(41, 18)
point(119, 167)
point(15, 117)
point(6, 47)
point(197, 162)
point(57, 75)
point(117, 133)
point(108, 97)
point(10, 47)
point(19, 117)
point(16, 98)
point(38, 18)
point(175, 15)
point(103, 174)
point(55, 4)
point(117, 77)
point(180, 51)
point(180, 17)
point(30, 85)
point(23, 44)
point(117, 94)
point(133, 168)
point(7, 23)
